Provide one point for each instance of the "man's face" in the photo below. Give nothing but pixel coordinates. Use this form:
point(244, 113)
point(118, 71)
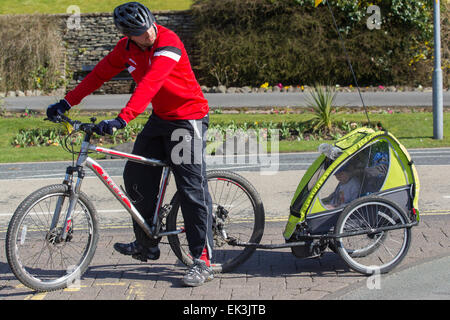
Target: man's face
point(147, 39)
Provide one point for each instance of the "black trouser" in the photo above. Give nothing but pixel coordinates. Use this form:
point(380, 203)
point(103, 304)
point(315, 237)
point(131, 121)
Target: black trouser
point(182, 144)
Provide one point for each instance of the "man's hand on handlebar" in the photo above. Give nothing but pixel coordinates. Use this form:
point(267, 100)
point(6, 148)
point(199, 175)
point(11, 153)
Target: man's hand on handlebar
point(55, 113)
point(108, 126)
point(55, 110)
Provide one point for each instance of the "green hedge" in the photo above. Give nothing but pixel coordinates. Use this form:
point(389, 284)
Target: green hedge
point(250, 42)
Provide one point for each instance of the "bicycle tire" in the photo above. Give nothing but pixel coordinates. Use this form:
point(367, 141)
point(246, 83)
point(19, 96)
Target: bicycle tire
point(225, 257)
point(84, 222)
point(385, 250)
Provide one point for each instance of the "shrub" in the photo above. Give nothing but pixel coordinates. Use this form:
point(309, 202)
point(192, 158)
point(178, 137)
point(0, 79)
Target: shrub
point(31, 54)
point(250, 42)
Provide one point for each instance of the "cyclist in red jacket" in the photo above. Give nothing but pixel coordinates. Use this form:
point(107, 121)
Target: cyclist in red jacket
point(159, 64)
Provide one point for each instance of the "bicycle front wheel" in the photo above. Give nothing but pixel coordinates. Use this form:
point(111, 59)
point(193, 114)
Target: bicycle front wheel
point(238, 213)
point(37, 255)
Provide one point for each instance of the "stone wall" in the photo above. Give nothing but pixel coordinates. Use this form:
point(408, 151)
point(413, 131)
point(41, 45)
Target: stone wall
point(95, 35)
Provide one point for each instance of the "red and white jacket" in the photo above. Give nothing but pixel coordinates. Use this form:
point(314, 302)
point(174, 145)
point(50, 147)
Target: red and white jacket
point(163, 75)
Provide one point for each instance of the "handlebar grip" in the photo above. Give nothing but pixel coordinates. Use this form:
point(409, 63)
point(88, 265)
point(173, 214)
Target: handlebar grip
point(77, 125)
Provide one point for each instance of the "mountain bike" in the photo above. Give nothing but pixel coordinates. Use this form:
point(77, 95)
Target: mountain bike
point(53, 234)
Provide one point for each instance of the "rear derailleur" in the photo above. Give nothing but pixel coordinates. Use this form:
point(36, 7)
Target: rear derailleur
point(219, 233)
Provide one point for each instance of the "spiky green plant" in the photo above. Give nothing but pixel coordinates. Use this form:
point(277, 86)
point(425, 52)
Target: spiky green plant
point(321, 102)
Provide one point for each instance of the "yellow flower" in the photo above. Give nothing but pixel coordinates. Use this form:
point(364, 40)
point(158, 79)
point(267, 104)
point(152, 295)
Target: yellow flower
point(265, 85)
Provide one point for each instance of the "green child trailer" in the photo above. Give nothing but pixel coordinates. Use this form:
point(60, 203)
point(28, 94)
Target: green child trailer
point(359, 198)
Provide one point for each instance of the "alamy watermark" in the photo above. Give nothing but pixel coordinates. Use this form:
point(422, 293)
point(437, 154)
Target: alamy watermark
point(74, 21)
point(74, 281)
point(257, 149)
point(374, 21)
point(374, 281)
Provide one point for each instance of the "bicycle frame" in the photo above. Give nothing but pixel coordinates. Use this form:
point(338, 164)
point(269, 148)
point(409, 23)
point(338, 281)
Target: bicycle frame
point(83, 159)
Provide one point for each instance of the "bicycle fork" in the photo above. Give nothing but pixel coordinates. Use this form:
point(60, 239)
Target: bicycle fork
point(73, 199)
point(73, 195)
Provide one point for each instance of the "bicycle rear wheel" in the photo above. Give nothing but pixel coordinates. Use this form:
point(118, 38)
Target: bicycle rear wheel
point(238, 213)
point(36, 254)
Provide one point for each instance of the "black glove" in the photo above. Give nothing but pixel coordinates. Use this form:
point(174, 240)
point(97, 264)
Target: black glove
point(57, 109)
point(107, 126)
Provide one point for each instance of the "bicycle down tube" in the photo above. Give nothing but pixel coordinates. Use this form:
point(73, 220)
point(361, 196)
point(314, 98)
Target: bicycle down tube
point(151, 231)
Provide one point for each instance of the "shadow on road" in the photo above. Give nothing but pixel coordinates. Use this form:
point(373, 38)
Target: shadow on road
point(284, 264)
point(136, 272)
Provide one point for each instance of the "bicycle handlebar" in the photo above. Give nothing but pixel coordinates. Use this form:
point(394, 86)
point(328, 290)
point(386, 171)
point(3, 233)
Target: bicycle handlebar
point(77, 125)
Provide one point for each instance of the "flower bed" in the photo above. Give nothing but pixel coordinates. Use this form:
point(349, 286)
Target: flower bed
point(289, 130)
point(277, 88)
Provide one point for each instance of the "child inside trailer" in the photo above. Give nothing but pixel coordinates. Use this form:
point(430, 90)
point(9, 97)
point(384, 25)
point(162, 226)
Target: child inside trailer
point(364, 174)
point(347, 189)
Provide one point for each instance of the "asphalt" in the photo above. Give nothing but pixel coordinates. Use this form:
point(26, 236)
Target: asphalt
point(241, 100)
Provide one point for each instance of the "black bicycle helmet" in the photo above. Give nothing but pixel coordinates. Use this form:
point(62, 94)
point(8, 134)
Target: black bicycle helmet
point(133, 18)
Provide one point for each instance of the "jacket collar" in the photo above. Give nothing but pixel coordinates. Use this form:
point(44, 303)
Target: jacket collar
point(129, 41)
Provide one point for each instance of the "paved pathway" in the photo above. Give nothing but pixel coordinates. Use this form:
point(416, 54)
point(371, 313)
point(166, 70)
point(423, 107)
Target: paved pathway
point(406, 285)
point(267, 275)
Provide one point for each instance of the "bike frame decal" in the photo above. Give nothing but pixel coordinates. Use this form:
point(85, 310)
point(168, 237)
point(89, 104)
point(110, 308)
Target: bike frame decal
point(121, 196)
point(112, 184)
point(69, 223)
point(120, 154)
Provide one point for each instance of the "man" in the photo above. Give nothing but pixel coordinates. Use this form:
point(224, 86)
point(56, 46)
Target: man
point(159, 64)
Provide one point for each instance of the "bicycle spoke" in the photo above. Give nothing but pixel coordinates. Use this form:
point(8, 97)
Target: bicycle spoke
point(234, 212)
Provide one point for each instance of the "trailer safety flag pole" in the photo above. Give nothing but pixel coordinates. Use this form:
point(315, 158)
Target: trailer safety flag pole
point(317, 2)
